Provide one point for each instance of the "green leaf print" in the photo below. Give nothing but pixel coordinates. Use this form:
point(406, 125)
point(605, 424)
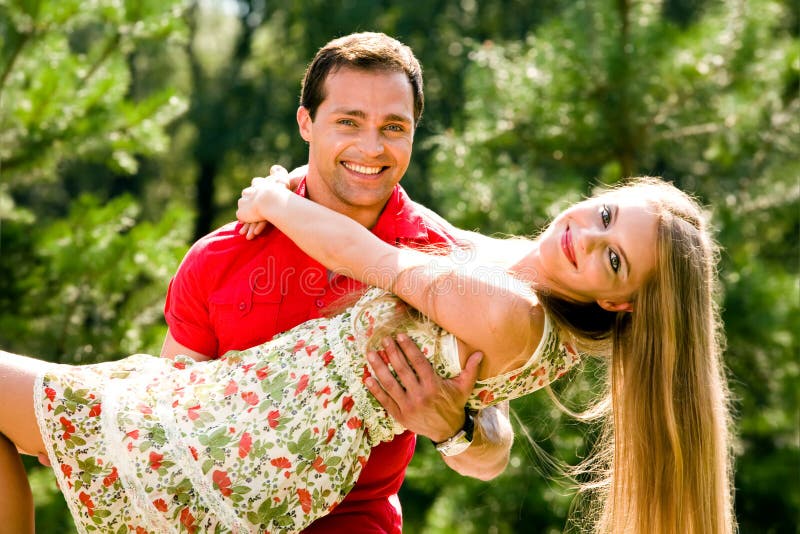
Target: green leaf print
point(274, 388)
point(218, 438)
point(304, 446)
point(207, 465)
point(158, 435)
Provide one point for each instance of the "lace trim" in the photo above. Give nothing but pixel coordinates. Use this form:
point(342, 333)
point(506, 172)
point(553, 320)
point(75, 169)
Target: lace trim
point(372, 420)
point(119, 456)
point(200, 482)
point(38, 406)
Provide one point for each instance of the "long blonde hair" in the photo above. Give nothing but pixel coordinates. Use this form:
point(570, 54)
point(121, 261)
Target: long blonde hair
point(663, 462)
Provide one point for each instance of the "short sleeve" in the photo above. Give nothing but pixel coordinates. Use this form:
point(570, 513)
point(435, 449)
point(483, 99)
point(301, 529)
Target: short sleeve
point(186, 308)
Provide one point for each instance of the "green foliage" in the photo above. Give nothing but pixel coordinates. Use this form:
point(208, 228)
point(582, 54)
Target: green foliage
point(64, 83)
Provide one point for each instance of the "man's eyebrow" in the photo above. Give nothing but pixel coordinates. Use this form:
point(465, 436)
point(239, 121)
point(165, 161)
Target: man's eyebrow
point(391, 117)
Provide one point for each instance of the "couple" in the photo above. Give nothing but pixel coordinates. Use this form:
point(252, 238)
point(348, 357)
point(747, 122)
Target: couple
point(272, 437)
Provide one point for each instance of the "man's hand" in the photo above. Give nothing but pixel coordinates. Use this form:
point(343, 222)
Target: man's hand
point(278, 174)
point(432, 406)
point(421, 401)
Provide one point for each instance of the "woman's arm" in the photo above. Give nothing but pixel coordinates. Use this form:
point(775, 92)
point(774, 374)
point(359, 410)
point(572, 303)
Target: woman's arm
point(482, 307)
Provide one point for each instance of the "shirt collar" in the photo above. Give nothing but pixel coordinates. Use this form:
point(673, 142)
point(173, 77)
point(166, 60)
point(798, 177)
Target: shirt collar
point(398, 220)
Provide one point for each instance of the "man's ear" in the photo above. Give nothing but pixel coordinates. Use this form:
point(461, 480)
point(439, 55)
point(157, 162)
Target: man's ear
point(304, 123)
point(615, 306)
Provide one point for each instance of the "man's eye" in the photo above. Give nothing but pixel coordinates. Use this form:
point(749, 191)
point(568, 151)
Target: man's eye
point(605, 215)
point(613, 259)
point(394, 128)
point(346, 122)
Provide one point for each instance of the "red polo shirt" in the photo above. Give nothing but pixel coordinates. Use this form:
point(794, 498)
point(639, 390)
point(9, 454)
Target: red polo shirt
point(230, 294)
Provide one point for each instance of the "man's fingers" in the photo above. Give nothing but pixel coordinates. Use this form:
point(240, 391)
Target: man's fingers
point(382, 397)
point(469, 375)
point(419, 363)
point(385, 377)
point(400, 363)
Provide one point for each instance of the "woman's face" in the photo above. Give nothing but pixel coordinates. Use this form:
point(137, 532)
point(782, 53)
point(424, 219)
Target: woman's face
point(602, 249)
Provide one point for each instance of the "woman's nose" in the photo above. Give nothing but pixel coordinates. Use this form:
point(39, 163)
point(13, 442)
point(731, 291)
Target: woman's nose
point(590, 239)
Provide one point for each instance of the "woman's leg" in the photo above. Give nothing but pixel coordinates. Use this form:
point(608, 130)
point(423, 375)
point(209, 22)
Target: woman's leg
point(17, 414)
point(16, 501)
point(19, 430)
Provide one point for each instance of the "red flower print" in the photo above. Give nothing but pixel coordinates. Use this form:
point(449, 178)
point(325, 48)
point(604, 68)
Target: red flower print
point(281, 462)
point(111, 478)
point(262, 372)
point(95, 410)
point(155, 460)
point(231, 388)
point(366, 374)
point(222, 481)
point(331, 433)
point(327, 358)
point(179, 365)
point(486, 396)
point(319, 465)
point(299, 345)
point(301, 385)
point(363, 461)
point(354, 422)
point(50, 393)
point(250, 398)
point(160, 505)
point(244, 445)
point(305, 499)
point(351, 337)
point(247, 367)
point(540, 371)
point(311, 348)
point(187, 520)
point(141, 530)
point(192, 412)
point(145, 409)
point(194, 452)
point(68, 427)
point(272, 418)
point(67, 470)
point(133, 434)
point(86, 499)
point(324, 391)
point(347, 403)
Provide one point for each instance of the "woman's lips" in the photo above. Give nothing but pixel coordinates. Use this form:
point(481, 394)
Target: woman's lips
point(566, 246)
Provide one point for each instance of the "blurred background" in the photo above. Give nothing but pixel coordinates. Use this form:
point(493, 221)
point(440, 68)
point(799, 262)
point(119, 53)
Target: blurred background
point(128, 128)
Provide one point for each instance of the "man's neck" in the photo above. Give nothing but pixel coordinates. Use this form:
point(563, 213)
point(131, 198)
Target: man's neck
point(367, 217)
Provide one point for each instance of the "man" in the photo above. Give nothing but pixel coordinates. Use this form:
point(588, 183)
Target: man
point(360, 103)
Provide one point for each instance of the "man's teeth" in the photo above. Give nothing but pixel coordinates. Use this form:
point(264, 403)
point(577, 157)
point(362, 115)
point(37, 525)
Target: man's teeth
point(362, 169)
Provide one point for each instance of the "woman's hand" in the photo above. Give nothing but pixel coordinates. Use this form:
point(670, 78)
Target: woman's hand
point(253, 197)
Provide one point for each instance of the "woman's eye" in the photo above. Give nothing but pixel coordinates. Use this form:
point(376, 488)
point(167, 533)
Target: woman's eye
point(613, 259)
point(605, 215)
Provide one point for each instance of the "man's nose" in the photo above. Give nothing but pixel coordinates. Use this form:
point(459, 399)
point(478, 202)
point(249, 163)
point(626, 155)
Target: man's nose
point(371, 143)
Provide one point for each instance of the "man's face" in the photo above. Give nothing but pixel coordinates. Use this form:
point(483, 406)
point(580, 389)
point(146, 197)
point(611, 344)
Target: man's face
point(360, 141)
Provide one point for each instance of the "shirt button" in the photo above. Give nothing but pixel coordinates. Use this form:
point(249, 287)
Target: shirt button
point(242, 306)
point(320, 303)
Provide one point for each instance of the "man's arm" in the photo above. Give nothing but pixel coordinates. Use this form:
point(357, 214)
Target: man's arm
point(432, 406)
point(172, 348)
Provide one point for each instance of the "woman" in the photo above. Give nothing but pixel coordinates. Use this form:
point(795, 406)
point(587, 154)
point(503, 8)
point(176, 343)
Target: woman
point(258, 441)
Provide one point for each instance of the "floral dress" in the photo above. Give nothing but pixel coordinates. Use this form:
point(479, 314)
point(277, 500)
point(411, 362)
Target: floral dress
point(261, 440)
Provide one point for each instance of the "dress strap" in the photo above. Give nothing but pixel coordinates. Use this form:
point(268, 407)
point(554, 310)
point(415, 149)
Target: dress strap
point(551, 360)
